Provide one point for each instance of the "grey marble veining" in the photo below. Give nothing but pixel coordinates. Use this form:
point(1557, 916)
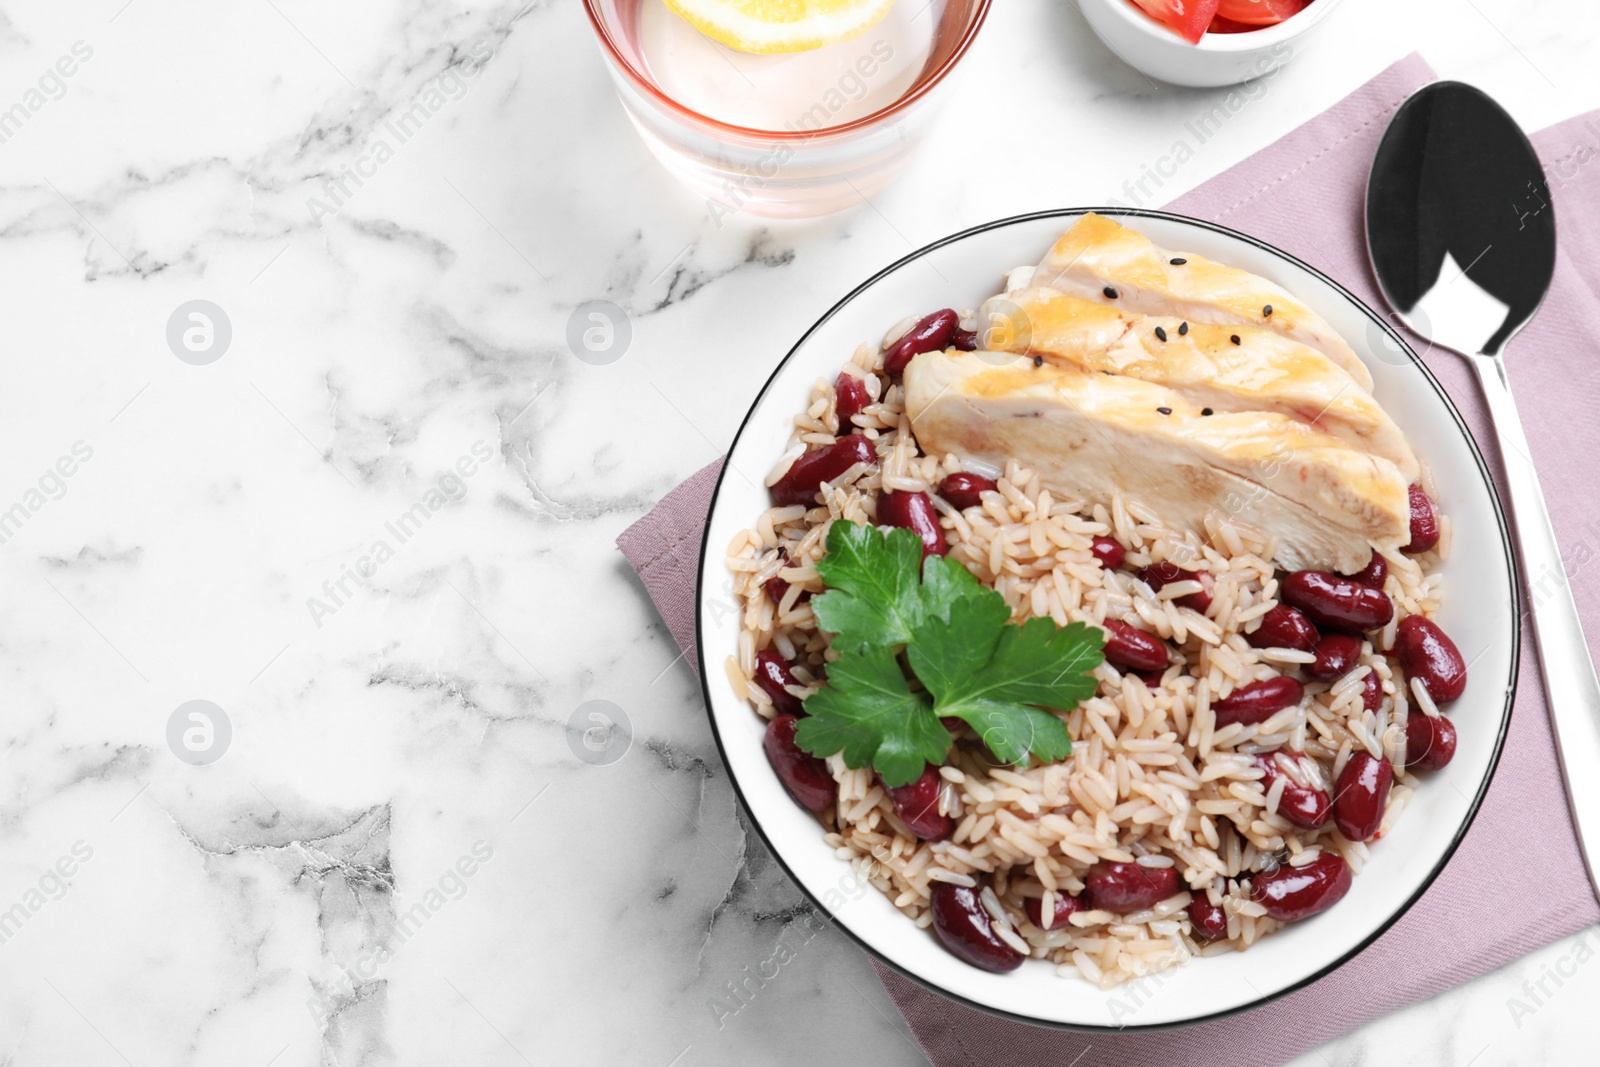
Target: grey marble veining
point(377, 532)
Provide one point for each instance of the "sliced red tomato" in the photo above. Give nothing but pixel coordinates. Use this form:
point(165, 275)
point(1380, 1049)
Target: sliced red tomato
point(1258, 12)
point(1188, 17)
point(1222, 25)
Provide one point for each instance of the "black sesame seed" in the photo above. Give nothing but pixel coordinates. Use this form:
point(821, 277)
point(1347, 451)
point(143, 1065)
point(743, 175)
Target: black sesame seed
point(1108, 372)
point(1165, 411)
point(1266, 312)
point(1161, 333)
point(1179, 262)
point(1038, 361)
point(1111, 294)
point(1206, 411)
point(1234, 338)
point(1183, 329)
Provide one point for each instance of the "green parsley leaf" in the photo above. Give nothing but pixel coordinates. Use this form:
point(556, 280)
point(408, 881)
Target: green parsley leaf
point(874, 596)
point(948, 647)
point(868, 712)
point(944, 582)
point(997, 677)
point(973, 662)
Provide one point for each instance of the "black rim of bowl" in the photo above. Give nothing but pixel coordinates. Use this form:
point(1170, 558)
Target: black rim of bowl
point(1505, 540)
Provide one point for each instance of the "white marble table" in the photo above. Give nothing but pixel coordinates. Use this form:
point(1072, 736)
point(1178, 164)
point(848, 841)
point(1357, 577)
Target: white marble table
point(377, 530)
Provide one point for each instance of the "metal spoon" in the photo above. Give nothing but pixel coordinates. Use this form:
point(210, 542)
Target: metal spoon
point(1462, 238)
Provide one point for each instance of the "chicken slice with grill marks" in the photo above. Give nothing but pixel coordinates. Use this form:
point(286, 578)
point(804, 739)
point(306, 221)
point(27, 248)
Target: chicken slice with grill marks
point(1263, 371)
point(1098, 254)
point(1093, 436)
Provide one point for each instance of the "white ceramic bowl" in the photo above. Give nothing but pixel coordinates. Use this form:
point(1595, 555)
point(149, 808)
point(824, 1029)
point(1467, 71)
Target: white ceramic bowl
point(1219, 58)
point(1480, 612)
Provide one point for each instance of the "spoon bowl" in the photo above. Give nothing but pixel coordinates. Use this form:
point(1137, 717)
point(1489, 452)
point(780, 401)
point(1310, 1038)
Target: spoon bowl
point(1460, 229)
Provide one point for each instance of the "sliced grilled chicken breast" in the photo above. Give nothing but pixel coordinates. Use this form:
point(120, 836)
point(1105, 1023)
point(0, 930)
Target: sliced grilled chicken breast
point(1264, 371)
point(1098, 255)
point(1092, 436)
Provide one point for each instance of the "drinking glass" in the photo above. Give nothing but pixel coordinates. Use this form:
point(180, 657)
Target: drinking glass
point(786, 136)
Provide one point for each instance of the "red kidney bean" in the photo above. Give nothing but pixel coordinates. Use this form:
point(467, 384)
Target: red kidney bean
point(1125, 887)
point(1360, 794)
point(1430, 740)
point(1151, 679)
point(1159, 575)
point(965, 490)
point(914, 512)
point(1337, 655)
point(964, 340)
point(1424, 522)
point(805, 776)
point(931, 333)
point(1065, 908)
point(801, 482)
point(1426, 652)
point(850, 397)
point(772, 675)
point(917, 805)
point(1257, 702)
point(1132, 649)
point(1375, 573)
point(1108, 552)
point(1284, 627)
point(1210, 921)
point(1301, 805)
point(1336, 602)
point(776, 586)
point(967, 930)
point(1290, 893)
point(1371, 692)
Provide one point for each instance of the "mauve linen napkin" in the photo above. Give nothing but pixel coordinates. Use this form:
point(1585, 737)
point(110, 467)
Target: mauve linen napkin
point(1304, 194)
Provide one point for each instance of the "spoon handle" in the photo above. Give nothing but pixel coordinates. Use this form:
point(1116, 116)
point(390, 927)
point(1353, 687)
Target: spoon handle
point(1571, 688)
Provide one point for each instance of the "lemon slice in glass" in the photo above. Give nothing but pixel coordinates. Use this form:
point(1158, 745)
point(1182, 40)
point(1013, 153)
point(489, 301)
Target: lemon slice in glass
point(768, 26)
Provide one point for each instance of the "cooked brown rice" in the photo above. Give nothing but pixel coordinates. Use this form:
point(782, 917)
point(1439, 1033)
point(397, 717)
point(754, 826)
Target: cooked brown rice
point(1151, 779)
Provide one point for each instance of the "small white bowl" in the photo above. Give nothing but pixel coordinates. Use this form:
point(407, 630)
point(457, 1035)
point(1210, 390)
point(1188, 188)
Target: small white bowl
point(1480, 609)
point(1219, 59)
